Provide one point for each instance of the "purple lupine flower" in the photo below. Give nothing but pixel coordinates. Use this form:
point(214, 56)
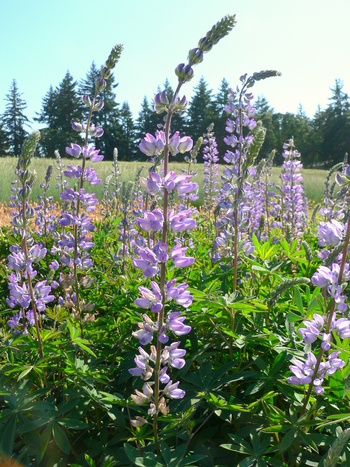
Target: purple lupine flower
point(150, 298)
point(175, 324)
point(146, 330)
point(172, 390)
point(151, 145)
point(172, 355)
point(295, 206)
point(331, 233)
point(177, 254)
point(74, 150)
point(147, 262)
point(151, 221)
point(181, 221)
point(178, 293)
point(152, 184)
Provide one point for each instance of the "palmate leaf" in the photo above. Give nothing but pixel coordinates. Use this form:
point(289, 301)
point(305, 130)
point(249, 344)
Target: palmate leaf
point(7, 435)
point(60, 438)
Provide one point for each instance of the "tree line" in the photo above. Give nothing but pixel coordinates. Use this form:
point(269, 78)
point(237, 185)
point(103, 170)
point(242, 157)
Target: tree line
point(322, 140)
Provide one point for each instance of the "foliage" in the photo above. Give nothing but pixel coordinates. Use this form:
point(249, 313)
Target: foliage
point(67, 395)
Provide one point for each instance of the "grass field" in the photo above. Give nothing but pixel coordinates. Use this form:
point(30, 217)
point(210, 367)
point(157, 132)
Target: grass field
point(313, 179)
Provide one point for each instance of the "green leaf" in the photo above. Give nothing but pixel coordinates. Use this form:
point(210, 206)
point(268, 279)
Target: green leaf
point(336, 383)
point(7, 436)
point(131, 452)
point(293, 318)
point(254, 388)
point(82, 344)
point(287, 440)
point(247, 462)
point(165, 451)
point(298, 300)
point(89, 461)
point(72, 423)
point(60, 438)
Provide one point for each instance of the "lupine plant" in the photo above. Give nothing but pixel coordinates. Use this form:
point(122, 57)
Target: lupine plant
point(45, 220)
point(26, 293)
point(294, 204)
point(160, 360)
point(211, 170)
point(76, 243)
point(246, 138)
point(174, 366)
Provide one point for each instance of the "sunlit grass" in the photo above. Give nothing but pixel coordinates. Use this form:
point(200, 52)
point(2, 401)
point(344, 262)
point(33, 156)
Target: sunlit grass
point(313, 179)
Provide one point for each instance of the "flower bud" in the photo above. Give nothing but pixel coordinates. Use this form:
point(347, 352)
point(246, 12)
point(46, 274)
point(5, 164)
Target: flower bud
point(100, 84)
point(185, 145)
point(178, 105)
point(79, 127)
point(195, 56)
point(184, 73)
point(205, 45)
point(86, 100)
point(105, 72)
point(340, 179)
point(160, 102)
point(98, 106)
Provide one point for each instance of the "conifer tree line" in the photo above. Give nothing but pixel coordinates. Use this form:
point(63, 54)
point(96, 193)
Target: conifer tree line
point(322, 140)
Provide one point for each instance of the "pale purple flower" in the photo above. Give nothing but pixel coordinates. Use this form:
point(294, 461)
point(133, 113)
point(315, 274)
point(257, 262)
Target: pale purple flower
point(331, 233)
point(150, 298)
point(172, 391)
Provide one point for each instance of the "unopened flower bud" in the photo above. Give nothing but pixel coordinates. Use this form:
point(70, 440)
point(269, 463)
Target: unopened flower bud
point(178, 105)
point(184, 73)
point(98, 106)
point(204, 44)
point(86, 100)
point(79, 127)
point(186, 144)
point(105, 72)
point(160, 102)
point(100, 84)
point(195, 56)
point(139, 421)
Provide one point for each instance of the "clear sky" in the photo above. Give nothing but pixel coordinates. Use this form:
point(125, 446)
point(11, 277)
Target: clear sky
point(307, 40)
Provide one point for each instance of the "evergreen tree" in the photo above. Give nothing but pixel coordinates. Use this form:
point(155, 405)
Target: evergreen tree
point(317, 135)
point(4, 141)
point(127, 148)
point(143, 122)
point(108, 117)
point(48, 117)
point(14, 119)
point(264, 113)
point(336, 127)
point(60, 108)
point(201, 111)
point(220, 116)
point(261, 105)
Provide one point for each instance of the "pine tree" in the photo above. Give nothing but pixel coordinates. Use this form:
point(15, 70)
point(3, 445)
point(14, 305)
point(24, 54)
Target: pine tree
point(48, 117)
point(264, 113)
point(4, 141)
point(143, 122)
point(108, 117)
point(336, 126)
point(127, 149)
point(14, 119)
point(60, 108)
point(220, 115)
point(200, 111)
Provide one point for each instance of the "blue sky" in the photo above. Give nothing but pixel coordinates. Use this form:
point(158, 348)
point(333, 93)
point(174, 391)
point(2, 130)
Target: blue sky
point(307, 40)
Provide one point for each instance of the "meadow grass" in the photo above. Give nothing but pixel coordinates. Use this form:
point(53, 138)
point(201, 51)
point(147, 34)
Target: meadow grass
point(313, 179)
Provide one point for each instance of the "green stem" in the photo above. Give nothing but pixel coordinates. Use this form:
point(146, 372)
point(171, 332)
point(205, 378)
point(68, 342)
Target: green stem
point(156, 391)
